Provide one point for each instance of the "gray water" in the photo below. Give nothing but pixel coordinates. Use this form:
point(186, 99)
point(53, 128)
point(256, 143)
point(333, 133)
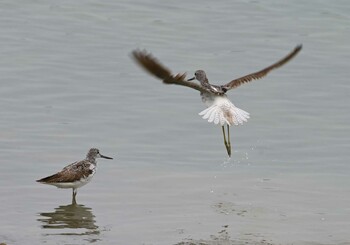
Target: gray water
point(68, 83)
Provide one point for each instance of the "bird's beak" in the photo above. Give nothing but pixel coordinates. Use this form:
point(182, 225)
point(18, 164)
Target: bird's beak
point(191, 79)
point(105, 157)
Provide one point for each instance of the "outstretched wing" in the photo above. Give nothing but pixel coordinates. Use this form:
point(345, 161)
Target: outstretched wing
point(257, 75)
point(151, 64)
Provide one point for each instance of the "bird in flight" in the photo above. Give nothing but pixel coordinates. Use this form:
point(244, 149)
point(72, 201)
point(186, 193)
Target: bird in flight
point(220, 110)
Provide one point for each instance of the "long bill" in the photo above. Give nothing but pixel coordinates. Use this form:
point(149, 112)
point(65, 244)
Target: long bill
point(105, 157)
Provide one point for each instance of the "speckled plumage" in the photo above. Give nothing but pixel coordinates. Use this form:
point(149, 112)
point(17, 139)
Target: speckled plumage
point(77, 174)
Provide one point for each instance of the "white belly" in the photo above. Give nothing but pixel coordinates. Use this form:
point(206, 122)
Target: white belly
point(208, 99)
point(76, 184)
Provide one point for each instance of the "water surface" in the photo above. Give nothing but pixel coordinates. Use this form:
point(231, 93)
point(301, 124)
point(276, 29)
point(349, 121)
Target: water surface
point(68, 84)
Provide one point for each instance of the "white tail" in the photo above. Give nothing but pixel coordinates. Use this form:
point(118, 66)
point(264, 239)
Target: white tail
point(223, 111)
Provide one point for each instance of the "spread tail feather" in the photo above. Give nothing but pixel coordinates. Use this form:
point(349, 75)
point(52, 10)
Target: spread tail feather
point(230, 115)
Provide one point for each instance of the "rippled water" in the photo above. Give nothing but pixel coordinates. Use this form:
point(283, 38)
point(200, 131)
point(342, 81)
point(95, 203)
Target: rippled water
point(68, 84)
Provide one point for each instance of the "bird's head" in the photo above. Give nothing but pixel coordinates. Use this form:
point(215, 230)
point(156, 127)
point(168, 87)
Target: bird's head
point(200, 76)
point(95, 153)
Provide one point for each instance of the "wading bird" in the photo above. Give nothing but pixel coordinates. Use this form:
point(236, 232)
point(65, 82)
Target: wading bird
point(77, 174)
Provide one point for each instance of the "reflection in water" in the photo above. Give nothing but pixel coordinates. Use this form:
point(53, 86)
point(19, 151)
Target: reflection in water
point(70, 220)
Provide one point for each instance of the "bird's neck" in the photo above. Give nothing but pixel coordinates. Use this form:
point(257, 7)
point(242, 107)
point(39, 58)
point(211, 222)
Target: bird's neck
point(205, 83)
point(92, 160)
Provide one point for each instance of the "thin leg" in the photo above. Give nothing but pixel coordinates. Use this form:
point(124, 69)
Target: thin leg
point(229, 141)
point(74, 201)
point(223, 132)
point(228, 147)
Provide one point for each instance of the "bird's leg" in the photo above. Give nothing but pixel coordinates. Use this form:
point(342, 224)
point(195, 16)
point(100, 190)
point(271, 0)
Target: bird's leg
point(229, 141)
point(228, 147)
point(74, 201)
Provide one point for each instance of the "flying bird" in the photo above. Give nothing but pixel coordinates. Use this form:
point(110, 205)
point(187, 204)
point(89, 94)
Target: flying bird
point(220, 110)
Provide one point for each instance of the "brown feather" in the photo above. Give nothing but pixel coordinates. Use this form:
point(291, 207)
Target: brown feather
point(71, 173)
point(151, 65)
point(257, 75)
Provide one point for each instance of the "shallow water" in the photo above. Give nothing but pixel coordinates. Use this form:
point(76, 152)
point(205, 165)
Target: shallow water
point(68, 84)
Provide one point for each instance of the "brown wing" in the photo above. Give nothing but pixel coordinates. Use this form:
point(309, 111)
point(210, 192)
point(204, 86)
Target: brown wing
point(151, 64)
point(71, 173)
point(257, 75)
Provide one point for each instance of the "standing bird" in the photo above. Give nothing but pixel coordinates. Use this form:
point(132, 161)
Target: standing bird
point(220, 109)
point(75, 175)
